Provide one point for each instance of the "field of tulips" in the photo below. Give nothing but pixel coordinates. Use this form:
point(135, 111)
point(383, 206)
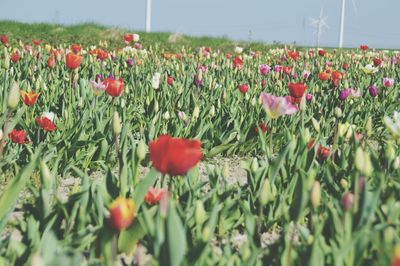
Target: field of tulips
point(137, 155)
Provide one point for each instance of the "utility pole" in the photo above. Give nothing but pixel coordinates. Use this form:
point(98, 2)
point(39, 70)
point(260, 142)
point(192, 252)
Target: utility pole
point(341, 27)
point(148, 16)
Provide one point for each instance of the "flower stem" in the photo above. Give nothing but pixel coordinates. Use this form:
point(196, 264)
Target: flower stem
point(5, 133)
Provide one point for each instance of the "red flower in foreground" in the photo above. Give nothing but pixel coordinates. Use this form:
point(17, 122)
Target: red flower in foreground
point(154, 195)
point(238, 62)
point(175, 156)
point(29, 98)
point(46, 124)
point(297, 90)
point(323, 153)
point(243, 88)
point(4, 40)
point(336, 77)
point(17, 136)
point(114, 87)
point(73, 61)
point(122, 212)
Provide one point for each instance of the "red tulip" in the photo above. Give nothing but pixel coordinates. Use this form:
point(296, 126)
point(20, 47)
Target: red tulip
point(323, 153)
point(154, 195)
point(321, 52)
point(348, 200)
point(76, 48)
point(51, 62)
point(36, 42)
point(345, 66)
point(377, 61)
point(4, 40)
point(296, 90)
point(101, 54)
point(73, 61)
point(364, 47)
point(264, 127)
point(29, 98)
point(286, 69)
point(122, 212)
point(264, 82)
point(243, 88)
point(128, 37)
point(170, 80)
point(175, 156)
point(336, 77)
point(310, 144)
point(114, 87)
point(294, 55)
point(46, 124)
point(17, 136)
point(323, 76)
point(15, 57)
point(238, 62)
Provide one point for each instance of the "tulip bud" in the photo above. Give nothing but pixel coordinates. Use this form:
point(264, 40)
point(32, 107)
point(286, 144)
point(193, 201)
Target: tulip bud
point(156, 107)
point(122, 212)
point(307, 135)
point(196, 112)
point(338, 112)
point(368, 127)
point(6, 59)
point(265, 192)
point(212, 111)
point(46, 176)
point(206, 233)
point(363, 162)
point(390, 152)
point(13, 97)
point(315, 194)
point(141, 150)
point(344, 183)
point(200, 214)
point(396, 163)
point(166, 115)
point(303, 104)
point(315, 124)
point(347, 201)
point(389, 234)
point(116, 124)
point(254, 165)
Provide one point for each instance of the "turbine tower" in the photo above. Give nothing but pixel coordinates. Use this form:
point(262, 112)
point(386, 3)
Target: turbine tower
point(148, 16)
point(342, 14)
point(319, 25)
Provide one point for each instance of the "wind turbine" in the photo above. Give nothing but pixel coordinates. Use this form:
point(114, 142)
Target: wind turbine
point(342, 14)
point(148, 16)
point(319, 25)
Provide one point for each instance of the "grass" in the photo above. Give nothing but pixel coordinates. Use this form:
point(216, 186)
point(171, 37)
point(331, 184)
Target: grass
point(89, 33)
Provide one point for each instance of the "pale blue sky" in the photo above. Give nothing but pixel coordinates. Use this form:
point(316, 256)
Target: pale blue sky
point(376, 22)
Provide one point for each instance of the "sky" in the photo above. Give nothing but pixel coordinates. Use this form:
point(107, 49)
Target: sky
point(372, 22)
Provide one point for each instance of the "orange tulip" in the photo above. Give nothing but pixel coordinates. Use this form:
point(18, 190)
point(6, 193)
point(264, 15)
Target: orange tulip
point(114, 87)
point(51, 62)
point(29, 98)
point(73, 61)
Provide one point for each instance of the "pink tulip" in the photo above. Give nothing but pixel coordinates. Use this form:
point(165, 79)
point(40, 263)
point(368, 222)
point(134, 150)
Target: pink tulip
point(388, 82)
point(276, 106)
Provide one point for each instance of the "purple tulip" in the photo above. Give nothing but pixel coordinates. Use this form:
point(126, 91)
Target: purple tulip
point(373, 90)
point(277, 68)
point(309, 97)
point(129, 62)
point(98, 78)
point(264, 69)
point(344, 94)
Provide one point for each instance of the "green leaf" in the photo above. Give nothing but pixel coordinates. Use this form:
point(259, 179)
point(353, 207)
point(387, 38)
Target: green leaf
point(143, 187)
point(176, 237)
